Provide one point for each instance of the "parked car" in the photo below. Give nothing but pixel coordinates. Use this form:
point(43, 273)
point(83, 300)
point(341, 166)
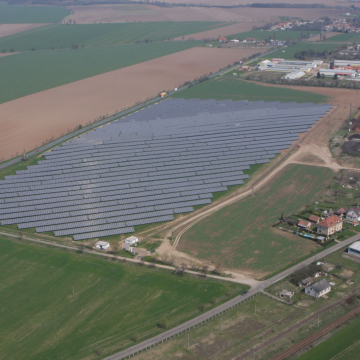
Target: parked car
point(244, 293)
point(139, 257)
point(152, 251)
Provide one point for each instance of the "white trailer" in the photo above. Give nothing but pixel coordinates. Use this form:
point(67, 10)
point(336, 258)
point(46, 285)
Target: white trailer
point(132, 240)
point(102, 245)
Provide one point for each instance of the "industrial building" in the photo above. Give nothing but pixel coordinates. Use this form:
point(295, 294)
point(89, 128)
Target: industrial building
point(346, 64)
point(354, 249)
point(282, 65)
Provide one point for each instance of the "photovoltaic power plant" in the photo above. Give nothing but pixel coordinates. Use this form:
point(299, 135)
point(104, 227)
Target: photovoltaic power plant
point(148, 166)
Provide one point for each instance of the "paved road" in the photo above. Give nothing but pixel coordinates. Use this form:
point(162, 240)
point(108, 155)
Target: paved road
point(228, 305)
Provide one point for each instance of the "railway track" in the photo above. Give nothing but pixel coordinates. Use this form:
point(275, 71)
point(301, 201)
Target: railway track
point(295, 348)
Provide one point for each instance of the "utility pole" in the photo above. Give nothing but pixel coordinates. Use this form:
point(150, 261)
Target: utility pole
point(188, 342)
point(318, 320)
point(222, 318)
point(73, 289)
point(255, 311)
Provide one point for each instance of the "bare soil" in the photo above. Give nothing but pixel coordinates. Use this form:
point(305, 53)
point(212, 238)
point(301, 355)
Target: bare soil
point(328, 35)
point(9, 29)
point(84, 14)
point(28, 121)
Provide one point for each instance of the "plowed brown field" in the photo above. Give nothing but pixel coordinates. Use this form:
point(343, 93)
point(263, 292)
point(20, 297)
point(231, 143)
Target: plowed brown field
point(9, 29)
point(144, 13)
point(26, 122)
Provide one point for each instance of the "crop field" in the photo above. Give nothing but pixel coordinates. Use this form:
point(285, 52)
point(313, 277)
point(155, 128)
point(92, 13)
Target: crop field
point(24, 73)
point(343, 345)
point(267, 35)
point(76, 307)
point(15, 14)
point(345, 38)
point(225, 88)
point(289, 52)
point(241, 234)
point(62, 36)
point(30, 120)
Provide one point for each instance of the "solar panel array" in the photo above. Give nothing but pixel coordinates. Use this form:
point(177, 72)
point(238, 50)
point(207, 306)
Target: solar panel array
point(150, 165)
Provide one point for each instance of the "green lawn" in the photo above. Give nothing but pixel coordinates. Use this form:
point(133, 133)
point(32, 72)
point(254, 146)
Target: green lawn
point(16, 14)
point(41, 317)
point(235, 89)
point(29, 72)
point(62, 36)
point(343, 345)
point(267, 35)
point(241, 234)
point(289, 52)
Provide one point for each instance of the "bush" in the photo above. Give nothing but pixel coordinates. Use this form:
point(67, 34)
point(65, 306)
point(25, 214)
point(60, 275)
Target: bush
point(163, 323)
point(202, 308)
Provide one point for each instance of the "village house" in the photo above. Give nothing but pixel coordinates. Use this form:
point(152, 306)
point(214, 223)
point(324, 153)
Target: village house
point(304, 224)
point(222, 39)
point(314, 219)
point(329, 225)
point(318, 289)
point(249, 40)
point(353, 214)
point(342, 211)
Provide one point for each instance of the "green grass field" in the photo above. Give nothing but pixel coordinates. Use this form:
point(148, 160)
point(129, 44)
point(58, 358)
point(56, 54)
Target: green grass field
point(41, 317)
point(62, 36)
point(241, 233)
point(29, 72)
point(343, 345)
point(289, 52)
point(344, 38)
point(225, 88)
point(15, 14)
point(265, 35)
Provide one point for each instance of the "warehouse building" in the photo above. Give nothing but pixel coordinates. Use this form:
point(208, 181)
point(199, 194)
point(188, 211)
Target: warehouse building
point(354, 249)
point(347, 64)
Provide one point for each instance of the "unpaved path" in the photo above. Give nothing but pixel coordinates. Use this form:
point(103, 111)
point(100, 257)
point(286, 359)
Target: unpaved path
point(9, 29)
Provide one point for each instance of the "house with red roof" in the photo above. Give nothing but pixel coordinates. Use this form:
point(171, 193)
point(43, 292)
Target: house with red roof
point(329, 225)
point(222, 39)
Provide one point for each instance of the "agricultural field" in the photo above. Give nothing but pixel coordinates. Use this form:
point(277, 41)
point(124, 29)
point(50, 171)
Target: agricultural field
point(62, 36)
point(267, 35)
point(91, 98)
point(289, 52)
point(343, 345)
point(229, 87)
point(71, 306)
point(241, 233)
point(16, 14)
point(345, 38)
point(23, 73)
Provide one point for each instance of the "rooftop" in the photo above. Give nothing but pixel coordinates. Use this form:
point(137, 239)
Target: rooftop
point(330, 221)
point(355, 246)
point(320, 285)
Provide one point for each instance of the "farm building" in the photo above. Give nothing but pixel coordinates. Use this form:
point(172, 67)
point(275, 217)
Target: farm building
point(294, 75)
point(132, 240)
point(354, 248)
point(329, 225)
point(318, 289)
point(102, 245)
point(304, 224)
point(314, 219)
point(278, 69)
point(234, 41)
point(286, 294)
point(222, 39)
point(347, 64)
point(332, 72)
point(353, 214)
point(305, 282)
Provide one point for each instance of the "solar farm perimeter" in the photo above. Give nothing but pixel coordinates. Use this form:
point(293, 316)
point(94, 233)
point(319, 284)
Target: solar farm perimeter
point(150, 166)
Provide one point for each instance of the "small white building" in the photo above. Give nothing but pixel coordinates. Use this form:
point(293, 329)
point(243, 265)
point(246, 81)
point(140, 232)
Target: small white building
point(294, 75)
point(132, 240)
point(102, 245)
point(234, 41)
point(318, 289)
point(354, 248)
point(353, 214)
